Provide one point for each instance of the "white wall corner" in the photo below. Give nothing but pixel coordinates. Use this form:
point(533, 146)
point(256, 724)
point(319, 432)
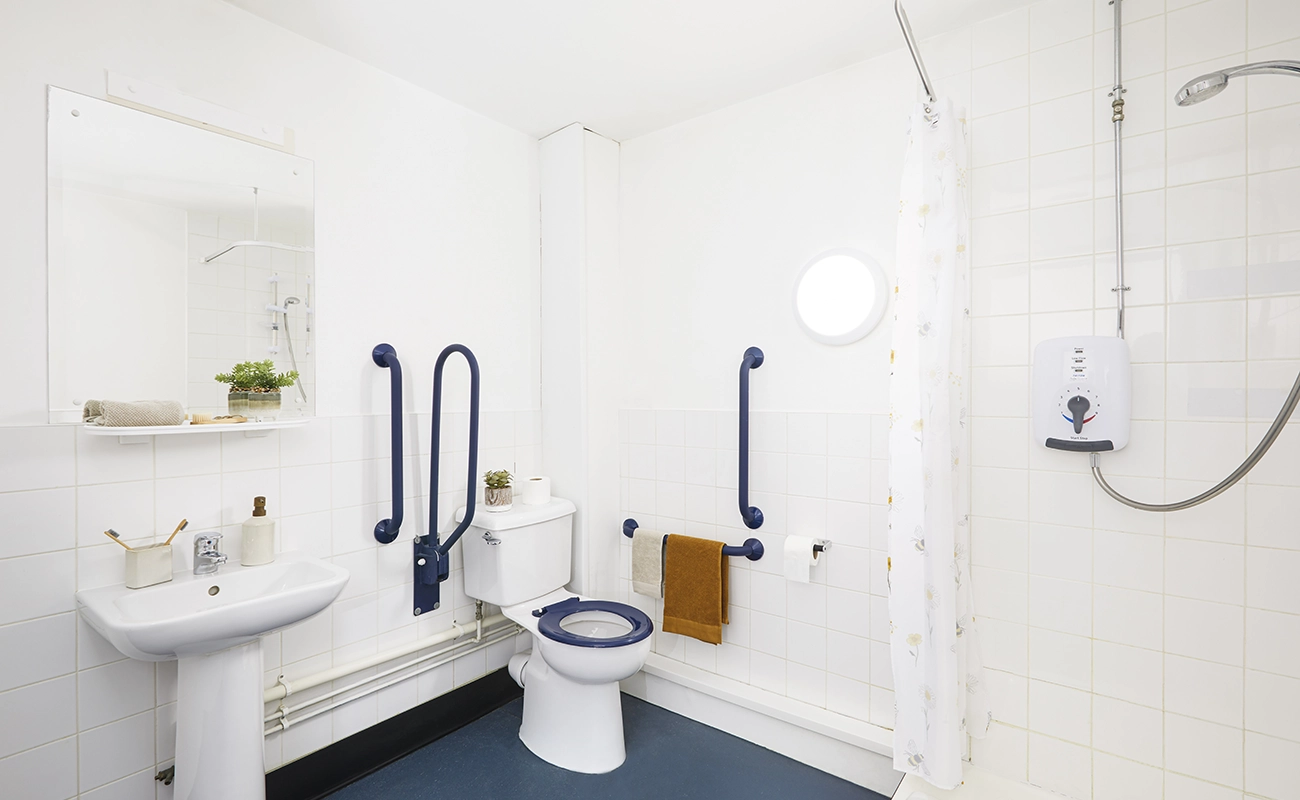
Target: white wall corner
point(580, 343)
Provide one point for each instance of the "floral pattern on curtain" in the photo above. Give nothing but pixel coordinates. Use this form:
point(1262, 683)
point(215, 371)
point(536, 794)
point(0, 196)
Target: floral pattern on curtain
point(938, 692)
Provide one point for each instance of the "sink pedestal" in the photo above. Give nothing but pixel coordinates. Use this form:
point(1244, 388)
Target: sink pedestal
point(219, 751)
point(212, 624)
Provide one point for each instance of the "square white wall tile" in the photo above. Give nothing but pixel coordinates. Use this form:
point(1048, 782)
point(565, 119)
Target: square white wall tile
point(998, 138)
point(37, 586)
point(115, 751)
point(1060, 766)
point(1267, 760)
point(37, 650)
point(1204, 750)
point(37, 521)
point(1128, 730)
point(43, 773)
point(1000, 38)
point(48, 711)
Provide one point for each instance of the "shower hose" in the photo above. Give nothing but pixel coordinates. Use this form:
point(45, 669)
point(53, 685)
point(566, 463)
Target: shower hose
point(1206, 86)
point(1275, 430)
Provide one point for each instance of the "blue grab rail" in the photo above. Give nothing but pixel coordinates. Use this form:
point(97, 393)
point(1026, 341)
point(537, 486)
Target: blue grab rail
point(432, 560)
point(752, 516)
point(751, 549)
point(385, 355)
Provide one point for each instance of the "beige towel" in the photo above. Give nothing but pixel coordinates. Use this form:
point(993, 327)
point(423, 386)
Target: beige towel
point(648, 562)
point(118, 414)
point(695, 588)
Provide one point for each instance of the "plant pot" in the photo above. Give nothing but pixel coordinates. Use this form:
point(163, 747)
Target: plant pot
point(263, 406)
point(237, 403)
point(498, 499)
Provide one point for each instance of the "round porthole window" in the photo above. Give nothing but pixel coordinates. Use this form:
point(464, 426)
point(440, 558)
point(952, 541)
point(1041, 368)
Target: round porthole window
point(840, 296)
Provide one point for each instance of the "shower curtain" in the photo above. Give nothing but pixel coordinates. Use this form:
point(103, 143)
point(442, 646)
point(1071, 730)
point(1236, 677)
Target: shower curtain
point(939, 697)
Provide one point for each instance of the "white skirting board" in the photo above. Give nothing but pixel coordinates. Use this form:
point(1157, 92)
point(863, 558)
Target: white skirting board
point(977, 784)
point(847, 748)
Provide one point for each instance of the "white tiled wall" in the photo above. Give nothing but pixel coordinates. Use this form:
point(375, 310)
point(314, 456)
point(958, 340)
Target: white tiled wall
point(228, 321)
point(1133, 654)
point(825, 643)
point(82, 720)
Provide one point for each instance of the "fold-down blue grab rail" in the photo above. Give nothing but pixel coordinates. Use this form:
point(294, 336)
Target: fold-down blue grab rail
point(431, 556)
point(752, 516)
point(751, 549)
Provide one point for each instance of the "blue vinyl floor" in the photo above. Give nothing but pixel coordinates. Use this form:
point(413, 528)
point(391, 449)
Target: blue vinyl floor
point(668, 756)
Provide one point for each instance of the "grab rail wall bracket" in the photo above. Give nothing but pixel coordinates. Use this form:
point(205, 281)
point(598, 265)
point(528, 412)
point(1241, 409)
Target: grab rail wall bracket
point(385, 355)
point(752, 516)
point(431, 556)
point(751, 549)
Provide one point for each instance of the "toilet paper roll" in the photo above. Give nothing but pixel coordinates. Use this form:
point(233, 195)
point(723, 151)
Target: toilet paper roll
point(799, 558)
point(535, 491)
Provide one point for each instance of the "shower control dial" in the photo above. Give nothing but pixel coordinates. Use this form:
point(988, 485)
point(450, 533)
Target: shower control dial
point(1078, 406)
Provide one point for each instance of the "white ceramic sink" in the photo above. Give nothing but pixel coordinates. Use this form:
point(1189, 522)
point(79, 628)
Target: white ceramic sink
point(211, 625)
point(198, 614)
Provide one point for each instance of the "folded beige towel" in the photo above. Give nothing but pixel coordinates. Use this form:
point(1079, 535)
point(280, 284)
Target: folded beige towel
point(648, 562)
point(142, 413)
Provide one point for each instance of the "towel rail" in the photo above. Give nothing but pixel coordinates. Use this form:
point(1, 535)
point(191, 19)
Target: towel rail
point(752, 516)
point(751, 549)
point(385, 355)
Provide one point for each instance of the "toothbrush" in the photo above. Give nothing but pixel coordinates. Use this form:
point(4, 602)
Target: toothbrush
point(112, 534)
point(179, 528)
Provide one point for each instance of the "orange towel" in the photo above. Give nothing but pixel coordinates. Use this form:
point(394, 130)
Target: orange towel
point(695, 588)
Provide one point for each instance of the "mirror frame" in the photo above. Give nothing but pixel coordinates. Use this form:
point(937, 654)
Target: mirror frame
point(874, 315)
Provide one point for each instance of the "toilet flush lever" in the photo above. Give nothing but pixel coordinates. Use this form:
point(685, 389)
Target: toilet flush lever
point(490, 539)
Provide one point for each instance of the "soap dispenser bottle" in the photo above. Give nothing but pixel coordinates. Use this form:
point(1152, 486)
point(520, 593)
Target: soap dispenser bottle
point(258, 544)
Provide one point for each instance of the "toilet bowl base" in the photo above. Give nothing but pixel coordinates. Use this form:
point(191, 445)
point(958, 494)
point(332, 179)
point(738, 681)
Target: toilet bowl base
point(575, 726)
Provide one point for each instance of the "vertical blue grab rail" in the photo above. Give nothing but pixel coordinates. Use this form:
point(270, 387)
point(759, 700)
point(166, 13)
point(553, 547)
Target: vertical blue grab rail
point(752, 516)
point(431, 556)
point(385, 355)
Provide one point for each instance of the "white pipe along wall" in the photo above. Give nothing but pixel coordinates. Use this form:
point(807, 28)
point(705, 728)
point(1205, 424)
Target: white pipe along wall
point(284, 688)
point(281, 719)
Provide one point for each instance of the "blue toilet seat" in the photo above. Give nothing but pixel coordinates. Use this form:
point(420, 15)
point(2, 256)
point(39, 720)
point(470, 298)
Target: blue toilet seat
point(550, 619)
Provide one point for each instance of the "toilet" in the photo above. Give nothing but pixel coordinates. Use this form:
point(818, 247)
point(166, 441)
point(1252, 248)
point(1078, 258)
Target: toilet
point(520, 560)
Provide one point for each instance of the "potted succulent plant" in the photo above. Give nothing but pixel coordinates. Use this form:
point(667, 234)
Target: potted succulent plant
point(498, 495)
point(255, 389)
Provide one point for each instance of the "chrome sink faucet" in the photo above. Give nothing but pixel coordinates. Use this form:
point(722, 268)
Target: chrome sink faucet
point(207, 553)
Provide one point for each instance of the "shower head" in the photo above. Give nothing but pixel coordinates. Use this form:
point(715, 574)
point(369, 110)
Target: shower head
point(290, 300)
point(1210, 84)
point(1201, 89)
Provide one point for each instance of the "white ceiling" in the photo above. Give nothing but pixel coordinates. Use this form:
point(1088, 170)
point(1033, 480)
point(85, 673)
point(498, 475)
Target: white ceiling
point(621, 67)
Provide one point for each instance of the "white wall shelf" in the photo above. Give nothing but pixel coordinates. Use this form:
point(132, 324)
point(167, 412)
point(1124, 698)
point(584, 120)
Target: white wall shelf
point(139, 435)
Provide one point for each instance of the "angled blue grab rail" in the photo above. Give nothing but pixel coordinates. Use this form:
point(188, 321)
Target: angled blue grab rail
point(751, 549)
point(752, 516)
point(431, 556)
point(385, 355)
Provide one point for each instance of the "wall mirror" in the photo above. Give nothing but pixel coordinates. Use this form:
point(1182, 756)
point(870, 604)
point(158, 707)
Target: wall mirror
point(174, 254)
point(840, 296)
